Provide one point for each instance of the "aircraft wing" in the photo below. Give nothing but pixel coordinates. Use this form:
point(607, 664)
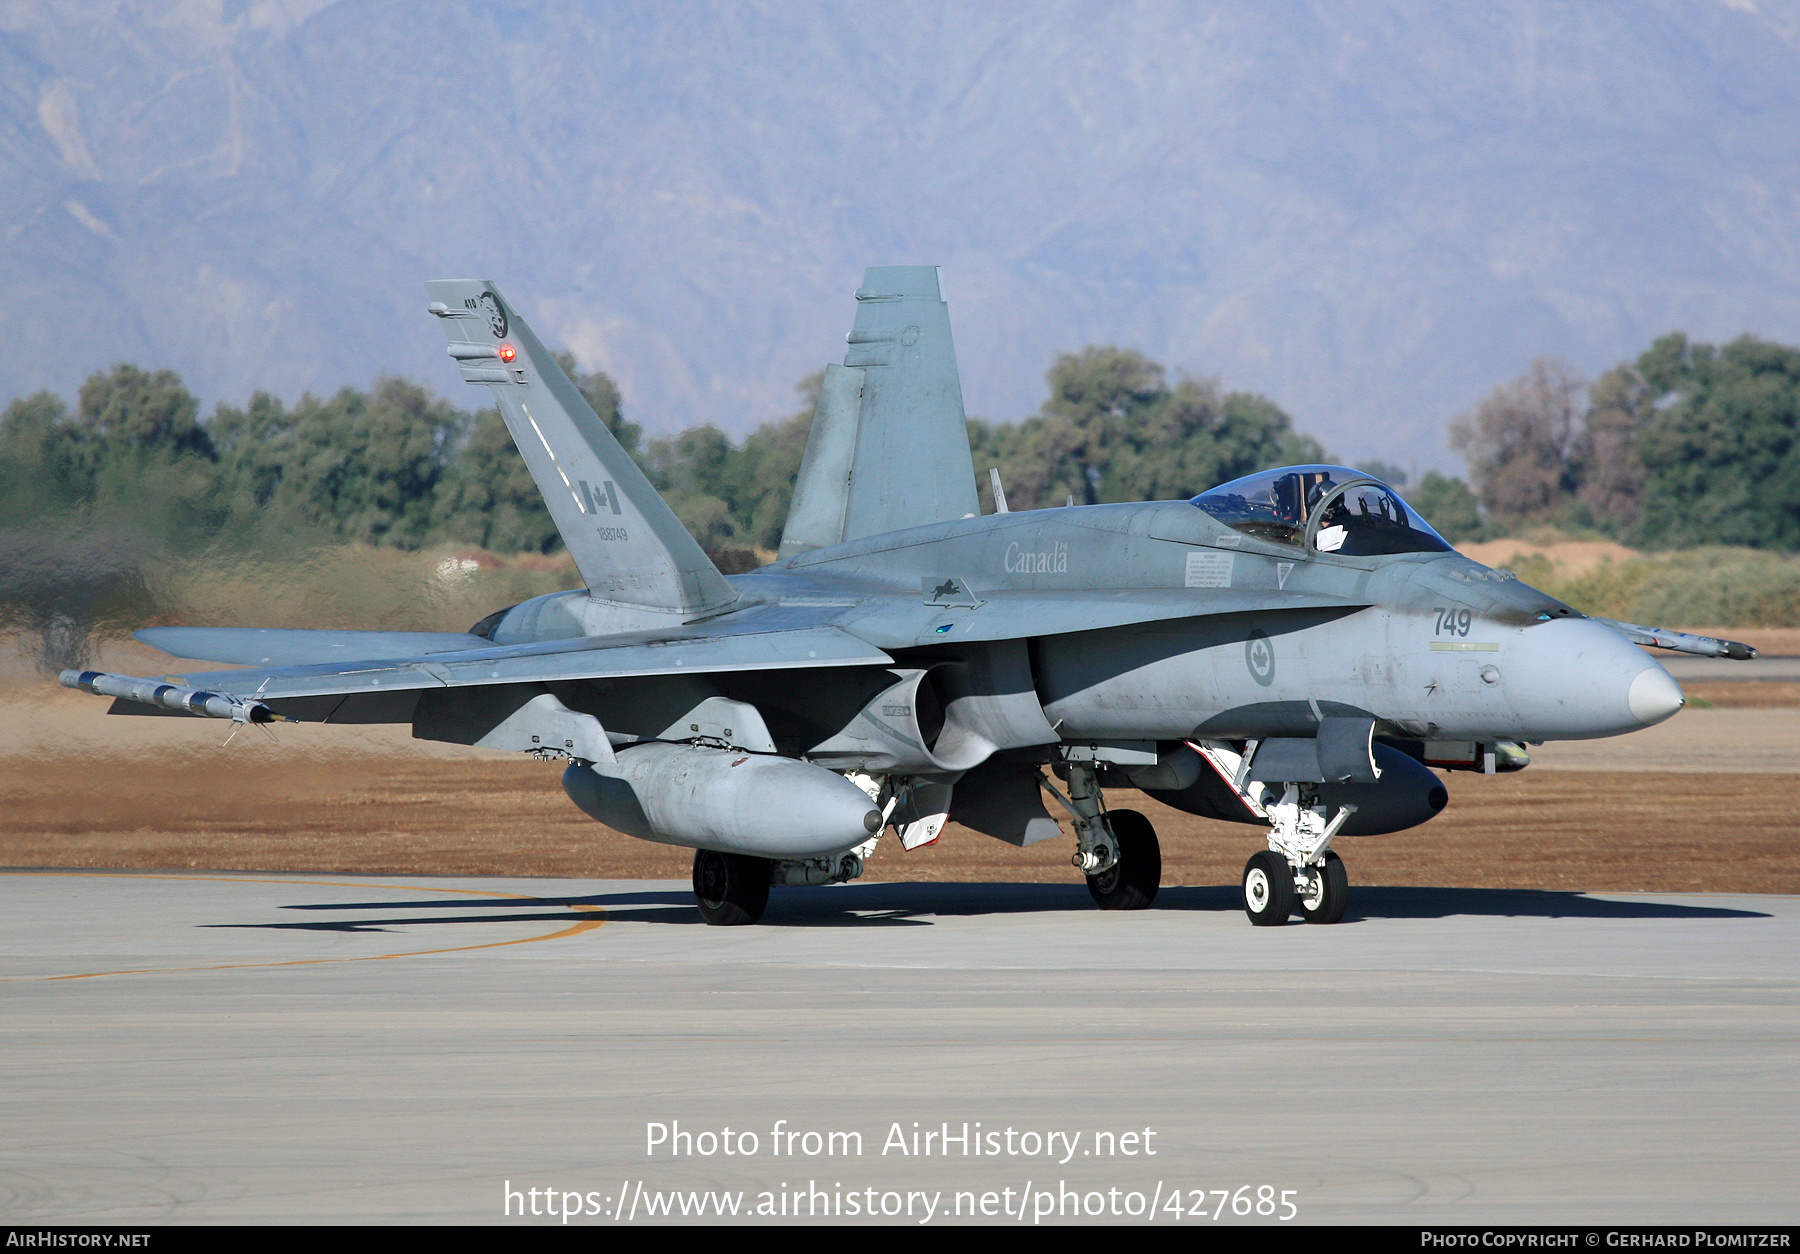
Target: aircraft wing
point(279, 646)
point(375, 690)
point(767, 637)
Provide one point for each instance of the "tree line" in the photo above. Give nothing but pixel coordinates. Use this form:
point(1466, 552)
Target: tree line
point(1687, 444)
point(397, 465)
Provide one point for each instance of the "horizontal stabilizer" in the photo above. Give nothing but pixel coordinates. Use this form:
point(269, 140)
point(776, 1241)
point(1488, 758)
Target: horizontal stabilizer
point(275, 646)
point(627, 543)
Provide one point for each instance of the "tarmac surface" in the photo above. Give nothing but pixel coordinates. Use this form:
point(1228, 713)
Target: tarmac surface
point(224, 1047)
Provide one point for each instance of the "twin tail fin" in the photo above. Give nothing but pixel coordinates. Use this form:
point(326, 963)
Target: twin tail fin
point(627, 543)
point(889, 447)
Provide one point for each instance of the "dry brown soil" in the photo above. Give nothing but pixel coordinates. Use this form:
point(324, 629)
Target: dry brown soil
point(1704, 803)
point(1571, 555)
point(405, 815)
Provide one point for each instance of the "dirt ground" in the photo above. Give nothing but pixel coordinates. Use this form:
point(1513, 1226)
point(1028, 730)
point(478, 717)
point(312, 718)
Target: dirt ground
point(1704, 803)
point(1572, 555)
point(1536, 829)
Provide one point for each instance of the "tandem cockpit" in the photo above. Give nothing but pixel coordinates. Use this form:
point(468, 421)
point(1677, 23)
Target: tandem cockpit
point(1327, 509)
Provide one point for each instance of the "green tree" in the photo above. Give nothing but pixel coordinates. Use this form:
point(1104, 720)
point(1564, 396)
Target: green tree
point(487, 497)
point(363, 466)
point(397, 465)
point(253, 445)
point(1113, 429)
point(761, 484)
point(131, 411)
point(132, 451)
point(1720, 450)
point(1448, 505)
point(735, 497)
point(36, 462)
point(694, 472)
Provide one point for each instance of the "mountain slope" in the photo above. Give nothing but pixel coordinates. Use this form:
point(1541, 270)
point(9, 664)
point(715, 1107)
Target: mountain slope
point(1372, 213)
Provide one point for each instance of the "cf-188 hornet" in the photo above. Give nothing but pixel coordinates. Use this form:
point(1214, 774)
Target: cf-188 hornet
point(1291, 650)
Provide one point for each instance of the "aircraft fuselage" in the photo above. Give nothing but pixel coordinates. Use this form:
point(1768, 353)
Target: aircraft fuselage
point(1432, 645)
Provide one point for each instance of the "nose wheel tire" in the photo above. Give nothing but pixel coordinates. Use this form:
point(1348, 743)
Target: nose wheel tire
point(1327, 891)
point(1131, 882)
point(731, 889)
point(1268, 889)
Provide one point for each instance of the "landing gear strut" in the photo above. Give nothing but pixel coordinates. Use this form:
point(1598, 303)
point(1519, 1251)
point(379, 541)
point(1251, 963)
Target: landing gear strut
point(1299, 838)
point(1298, 869)
point(1272, 889)
point(731, 889)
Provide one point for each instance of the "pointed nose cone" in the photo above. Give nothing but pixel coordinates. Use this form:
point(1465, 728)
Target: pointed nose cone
point(1573, 678)
point(1654, 695)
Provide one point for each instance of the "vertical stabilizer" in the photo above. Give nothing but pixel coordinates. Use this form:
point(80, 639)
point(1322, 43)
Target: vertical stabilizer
point(822, 491)
point(907, 440)
point(628, 545)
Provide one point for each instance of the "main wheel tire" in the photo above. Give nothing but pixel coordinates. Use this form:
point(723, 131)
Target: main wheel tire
point(1327, 891)
point(731, 889)
point(1132, 881)
point(1268, 889)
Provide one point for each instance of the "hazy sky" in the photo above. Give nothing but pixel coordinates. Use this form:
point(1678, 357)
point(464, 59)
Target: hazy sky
point(1372, 212)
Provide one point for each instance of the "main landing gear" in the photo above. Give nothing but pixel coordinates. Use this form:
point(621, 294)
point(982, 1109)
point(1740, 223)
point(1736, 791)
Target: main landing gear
point(1131, 882)
point(1116, 851)
point(731, 889)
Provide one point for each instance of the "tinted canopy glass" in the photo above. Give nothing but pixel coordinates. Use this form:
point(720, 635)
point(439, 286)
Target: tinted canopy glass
point(1347, 511)
point(1368, 519)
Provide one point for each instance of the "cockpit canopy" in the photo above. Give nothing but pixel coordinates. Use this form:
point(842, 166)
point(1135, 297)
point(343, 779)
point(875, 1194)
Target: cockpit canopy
point(1331, 508)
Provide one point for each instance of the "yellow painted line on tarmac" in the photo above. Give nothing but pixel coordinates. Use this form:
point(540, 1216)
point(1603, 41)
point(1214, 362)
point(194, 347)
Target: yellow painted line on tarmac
point(587, 925)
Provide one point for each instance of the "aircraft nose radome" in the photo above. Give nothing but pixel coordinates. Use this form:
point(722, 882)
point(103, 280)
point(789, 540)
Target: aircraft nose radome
point(1654, 695)
point(1573, 678)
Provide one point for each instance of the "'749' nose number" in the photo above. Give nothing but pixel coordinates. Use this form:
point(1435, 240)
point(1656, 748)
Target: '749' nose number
point(1452, 622)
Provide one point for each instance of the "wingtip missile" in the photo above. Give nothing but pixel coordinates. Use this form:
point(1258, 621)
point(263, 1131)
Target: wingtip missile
point(171, 696)
point(1681, 641)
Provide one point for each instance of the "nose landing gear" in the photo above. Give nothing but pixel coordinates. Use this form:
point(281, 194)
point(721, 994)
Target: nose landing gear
point(1326, 891)
point(1268, 889)
point(1274, 889)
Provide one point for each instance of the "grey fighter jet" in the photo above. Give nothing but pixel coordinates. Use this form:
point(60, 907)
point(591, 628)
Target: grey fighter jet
point(1292, 650)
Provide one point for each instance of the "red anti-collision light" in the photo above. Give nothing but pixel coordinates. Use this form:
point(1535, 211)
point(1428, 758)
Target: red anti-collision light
point(508, 352)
